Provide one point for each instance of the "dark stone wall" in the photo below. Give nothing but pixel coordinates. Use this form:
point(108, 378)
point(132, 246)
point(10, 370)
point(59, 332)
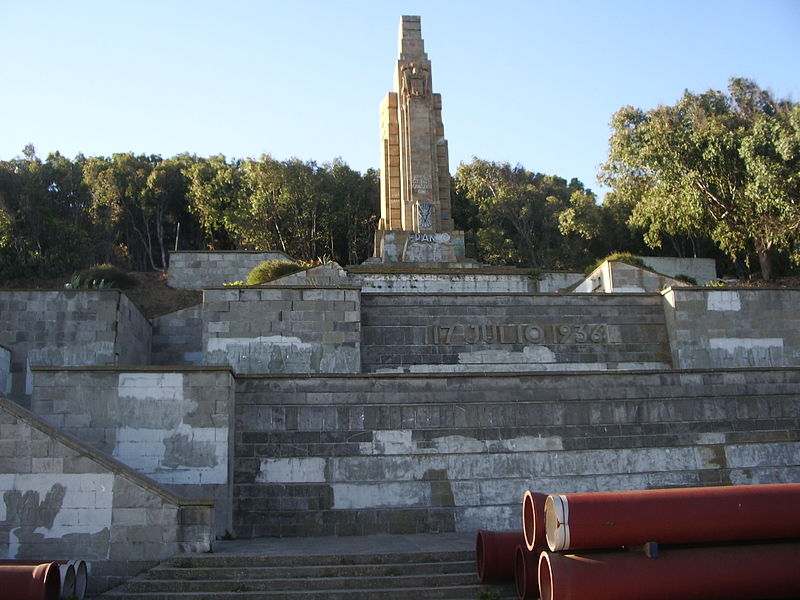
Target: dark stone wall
point(347, 455)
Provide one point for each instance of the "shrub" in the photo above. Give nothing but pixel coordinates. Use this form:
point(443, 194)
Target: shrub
point(272, 269)
point(625, 257)
point(102, 276)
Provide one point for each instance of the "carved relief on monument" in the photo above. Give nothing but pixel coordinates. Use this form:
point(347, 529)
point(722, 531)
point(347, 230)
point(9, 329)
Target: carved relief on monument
point(415, 79)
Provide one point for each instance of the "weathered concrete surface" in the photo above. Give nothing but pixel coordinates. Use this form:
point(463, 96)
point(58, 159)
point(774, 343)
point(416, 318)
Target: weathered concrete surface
point(63, 500)
point(733, 327)
point(512, 332)
point(70, 328)
point(357, 455)
point(283, 329)
point(174, 426)
point(197, 270)
point(614, 276)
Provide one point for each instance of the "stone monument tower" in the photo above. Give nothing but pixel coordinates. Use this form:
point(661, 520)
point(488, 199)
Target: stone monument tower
point(416, 223)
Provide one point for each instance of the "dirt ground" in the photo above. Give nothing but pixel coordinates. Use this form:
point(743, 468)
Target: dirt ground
point(152, 294)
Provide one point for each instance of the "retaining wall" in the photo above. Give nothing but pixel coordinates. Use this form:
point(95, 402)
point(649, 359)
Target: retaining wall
point(70, 328)
point(733, 327)
point(174, 426)
point(197, 270)
point(512, 332)
point(356, 455)
point(283, 329)
point(62, 500)
point(178, 337)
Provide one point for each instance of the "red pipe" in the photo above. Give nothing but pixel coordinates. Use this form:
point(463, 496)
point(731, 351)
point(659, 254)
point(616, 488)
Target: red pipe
point(30, 582)
point(494, 554)
point(672, 516)
point(533, 522)
point(526, 573)
point(72, 574)
point(729, 572)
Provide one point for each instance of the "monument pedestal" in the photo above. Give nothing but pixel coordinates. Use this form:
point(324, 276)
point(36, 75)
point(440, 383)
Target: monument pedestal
point(398, 247)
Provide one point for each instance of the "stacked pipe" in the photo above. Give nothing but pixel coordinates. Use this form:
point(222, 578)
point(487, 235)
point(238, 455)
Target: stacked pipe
point(512, 555)
point(717, 542)
point(28, 579)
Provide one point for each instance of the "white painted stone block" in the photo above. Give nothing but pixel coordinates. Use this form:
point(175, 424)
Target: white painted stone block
point(380, 495)
point(292, 470)
point(723, 301)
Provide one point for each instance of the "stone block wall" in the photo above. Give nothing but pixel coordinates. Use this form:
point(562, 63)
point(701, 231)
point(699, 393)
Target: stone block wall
point(197, 270)
point(512, 332)
point(619, 277)
point(356, 455)
point(283, 329)
point(733, 327)
point(174, 426)
point(5, 371)
point(62, 500)
point(70, 328)
point(701, 270)
point(178, 337)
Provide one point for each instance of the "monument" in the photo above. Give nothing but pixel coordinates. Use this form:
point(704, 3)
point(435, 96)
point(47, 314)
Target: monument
point(416, 224)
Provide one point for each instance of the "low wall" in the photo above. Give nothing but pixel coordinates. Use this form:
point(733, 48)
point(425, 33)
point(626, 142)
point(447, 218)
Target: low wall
point(197, 270)
point(512, 332)
point(172, 425)
point(477, 280)
point(733, 327)
point(702, 270)
point(358, 455)
point(614, 276)
point(70, 328)
point(62, 500)
point(283, 329)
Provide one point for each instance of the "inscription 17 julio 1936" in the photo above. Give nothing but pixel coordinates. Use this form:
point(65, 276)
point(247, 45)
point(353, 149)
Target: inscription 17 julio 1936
point(553, 333)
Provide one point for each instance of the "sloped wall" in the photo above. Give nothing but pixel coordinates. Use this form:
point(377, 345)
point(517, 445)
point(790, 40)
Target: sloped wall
point(62, 500)
point(174, 425)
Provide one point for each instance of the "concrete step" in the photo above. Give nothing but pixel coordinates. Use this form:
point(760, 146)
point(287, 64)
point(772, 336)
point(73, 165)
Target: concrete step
point(357, 576)
point(308, 571)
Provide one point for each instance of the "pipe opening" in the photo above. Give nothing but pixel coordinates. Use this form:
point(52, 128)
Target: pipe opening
point(528, 519)
point(480, 555)
point(545, 577)
point(556, 520)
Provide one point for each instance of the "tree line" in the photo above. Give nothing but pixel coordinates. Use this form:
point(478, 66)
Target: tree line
point(716, 175)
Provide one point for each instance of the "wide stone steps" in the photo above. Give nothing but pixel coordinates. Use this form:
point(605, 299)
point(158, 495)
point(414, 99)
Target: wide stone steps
point(423, 575)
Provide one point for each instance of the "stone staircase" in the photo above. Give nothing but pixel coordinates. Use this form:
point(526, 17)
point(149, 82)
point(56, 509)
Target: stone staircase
point(421, 575)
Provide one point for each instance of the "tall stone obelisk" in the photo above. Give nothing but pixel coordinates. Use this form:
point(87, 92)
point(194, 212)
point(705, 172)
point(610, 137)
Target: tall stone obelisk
point(416, 222)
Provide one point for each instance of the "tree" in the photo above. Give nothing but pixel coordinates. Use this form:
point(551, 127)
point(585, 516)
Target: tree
point(721, 165)
point(517, 211)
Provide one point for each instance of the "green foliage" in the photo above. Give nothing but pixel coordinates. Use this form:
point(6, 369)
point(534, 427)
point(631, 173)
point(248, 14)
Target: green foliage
point(272, 269)
point(723, 166)
point(234, 283)
point(102, 276)
point(625, 257)
point(487, 594)
point(515, 211)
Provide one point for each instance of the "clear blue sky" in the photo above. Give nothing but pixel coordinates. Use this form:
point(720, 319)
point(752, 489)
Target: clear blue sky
point(529, 82)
